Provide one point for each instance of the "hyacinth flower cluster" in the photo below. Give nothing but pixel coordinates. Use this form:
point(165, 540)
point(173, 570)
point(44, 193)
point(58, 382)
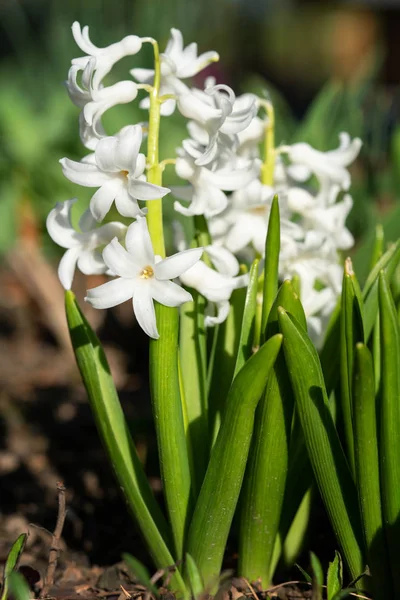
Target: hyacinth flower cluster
point(231, 170)
point(240, 373)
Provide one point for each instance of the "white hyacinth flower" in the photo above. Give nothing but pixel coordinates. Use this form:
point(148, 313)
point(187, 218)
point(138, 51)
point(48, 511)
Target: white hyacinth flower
point(245, 220)
point(83, 247)
point(217, 113)
point(142, 276)
point(177, 63)
point(205, 193)
point(94, 102)
point(105, 57)
point(216, 285)
point(116, 168)
point(329, 165)
point(323, 215)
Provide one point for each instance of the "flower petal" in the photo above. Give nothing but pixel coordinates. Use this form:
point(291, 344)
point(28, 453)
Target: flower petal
point(146, 191)
point(175, 265)
point(223, 260)
point(102, 200)
point(126, 205)
point(138, 243)
point(223, 308)
point(66, 268)
point(83, 173)
point(169, 293)
point(59, 224)
point(111, 293)
point(90, 262)
point(143, 307)
point(119, 261)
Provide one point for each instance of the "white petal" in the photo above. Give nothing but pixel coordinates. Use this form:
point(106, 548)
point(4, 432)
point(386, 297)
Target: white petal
point(146, 191)
point(90, 262)
point(128, 146)
point(175, 265)
point(87, 222)
point(169, 293)
point(138, 243)
point(83, 173)
point(223, 308)
point(102, 200)
point(143, 75)
point(105, 154)
point(143, 307)
point(66, 268)
point(223, 260)
point(111, 293)
point(126, 205)
point(59, 224)
point(119, 261)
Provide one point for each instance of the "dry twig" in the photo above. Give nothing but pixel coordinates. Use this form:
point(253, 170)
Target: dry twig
point(55, 542)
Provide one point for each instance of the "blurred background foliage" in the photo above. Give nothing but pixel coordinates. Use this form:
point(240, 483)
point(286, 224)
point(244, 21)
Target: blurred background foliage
point(328, 68)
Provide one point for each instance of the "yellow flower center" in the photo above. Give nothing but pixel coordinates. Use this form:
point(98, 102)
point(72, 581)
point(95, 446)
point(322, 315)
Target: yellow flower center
point(124, 173)
point(147, 272)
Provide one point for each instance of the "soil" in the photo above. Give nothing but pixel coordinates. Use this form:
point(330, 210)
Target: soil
point(48, 436)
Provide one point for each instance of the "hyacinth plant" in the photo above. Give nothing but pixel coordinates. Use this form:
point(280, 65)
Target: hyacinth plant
point(263, 349)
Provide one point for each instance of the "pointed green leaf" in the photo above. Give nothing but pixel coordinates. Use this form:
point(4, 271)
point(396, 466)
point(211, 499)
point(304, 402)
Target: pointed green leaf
point(379, 243)
point(324, 449)
point(367, 470)
point(194, 577)
point(246, 338)
point(219, 494)
point(318, 577)
point(390, 423)
point(12, 561)
point(271, 263)
point(114, 432)
point(306, 576)
point(193, 364)
point(265, 479)
point(387, 262)
point(329, 354)
point(140, 572)
point(351, 332)
point(167, 409)
point(334, 580)
point(18, 586)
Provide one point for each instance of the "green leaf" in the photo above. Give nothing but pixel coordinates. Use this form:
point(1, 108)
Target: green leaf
point(323, 445)
point(367, 470)
point(246, 338)
point(167, 408)
point(219, 494)
point(334, 580)
point(193, 364)
point(18, 586)
point(387, 262)
point(318, 577)
point(390, 423)
point(351, 332)
point(12, 561)
point(329, 354)
point(139, 571)
point(306, 576)
point(114, 432)
point(271, 263)
point(265, 479)
point(194, 577)
point(224, 360)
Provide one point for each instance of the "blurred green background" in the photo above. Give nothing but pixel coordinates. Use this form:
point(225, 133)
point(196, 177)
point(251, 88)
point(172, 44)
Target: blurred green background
point(328, 67)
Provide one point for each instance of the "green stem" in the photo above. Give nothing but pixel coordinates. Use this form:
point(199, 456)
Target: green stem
point(164, 368)
point(154, 169)
point(268, 167)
